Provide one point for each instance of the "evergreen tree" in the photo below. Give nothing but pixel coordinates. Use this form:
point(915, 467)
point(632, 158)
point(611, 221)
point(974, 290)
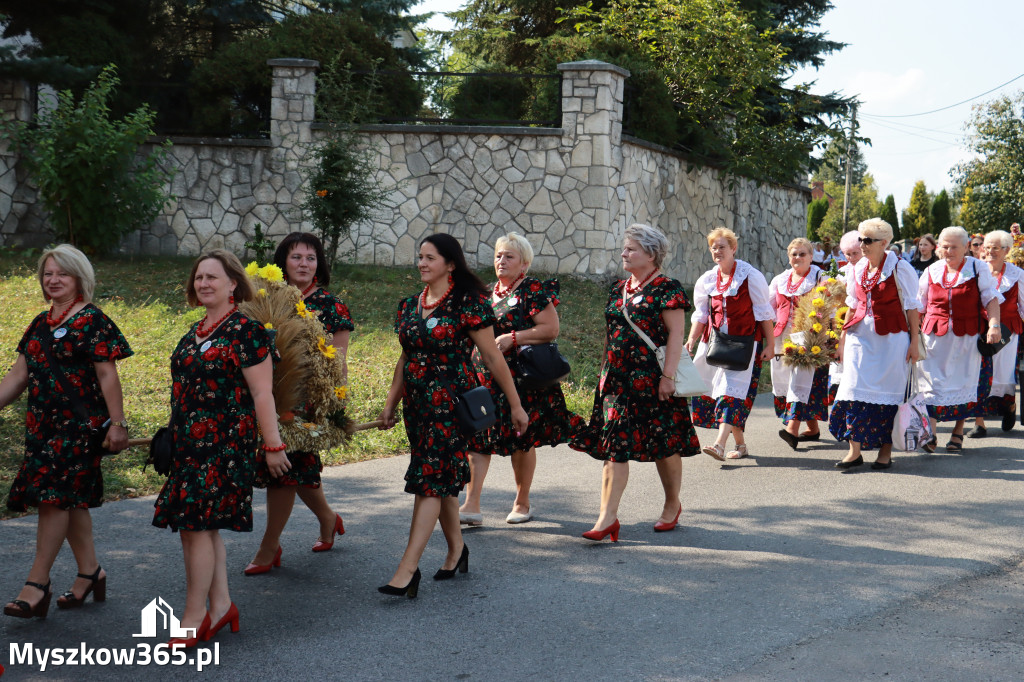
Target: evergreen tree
point(863, 205)
point(917, 219)
point(816, 211)
point(832, 167)
point(890, 216)
point(941, 215)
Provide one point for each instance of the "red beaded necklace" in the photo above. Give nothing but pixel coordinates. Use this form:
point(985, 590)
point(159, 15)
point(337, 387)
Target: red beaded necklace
point(945, 273)
point(307, 290)
point(790, 288)
point(722, 288)
point(53, 322)
point(638, 287)
point(869, 284)
point(431, 306)
point(200, 333)
point(502, 293)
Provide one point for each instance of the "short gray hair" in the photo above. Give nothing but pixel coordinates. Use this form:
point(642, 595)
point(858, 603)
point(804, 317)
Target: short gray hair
point(1002, 237)
point(957, 232)
point(652, 240)
point(517, 242)
point(75, 263)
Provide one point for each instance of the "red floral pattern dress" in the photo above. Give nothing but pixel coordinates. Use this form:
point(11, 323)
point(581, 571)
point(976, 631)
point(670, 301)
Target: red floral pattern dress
point(550, 421)
point(215, 429)
point(438, 369)
point(306, 466)
point(629, 422)
point(57, 469)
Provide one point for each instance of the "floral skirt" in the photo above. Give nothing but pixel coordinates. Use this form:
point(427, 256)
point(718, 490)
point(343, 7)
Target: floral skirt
point(865, 423)
point(212, 493)
point(551, 423)
point(816, 406)
point(709, 412)
point(975, 408)
point(305, 472)
point(57, 476)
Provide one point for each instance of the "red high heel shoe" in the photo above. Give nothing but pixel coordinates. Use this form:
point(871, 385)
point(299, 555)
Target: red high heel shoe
point(339, 529)
point(612, 530)
point(257, 569)
point(230, 617)
point(661, 526)
point(189, 642)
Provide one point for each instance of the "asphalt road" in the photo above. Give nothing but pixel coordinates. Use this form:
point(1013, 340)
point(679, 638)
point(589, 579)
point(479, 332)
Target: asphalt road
point(784, 569)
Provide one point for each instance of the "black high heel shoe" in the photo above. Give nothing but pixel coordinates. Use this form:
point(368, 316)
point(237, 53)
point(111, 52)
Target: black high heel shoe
point(97, 586)
point(19, 608)
point(409, 590)
point(462, 566)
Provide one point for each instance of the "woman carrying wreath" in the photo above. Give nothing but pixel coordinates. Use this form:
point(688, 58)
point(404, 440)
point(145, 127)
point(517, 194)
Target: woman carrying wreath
point(301, 258)
point(221, 401)
point(801, 393)
point(438, 330)
point(732, 298)
point(60, 474)
point(878, 343)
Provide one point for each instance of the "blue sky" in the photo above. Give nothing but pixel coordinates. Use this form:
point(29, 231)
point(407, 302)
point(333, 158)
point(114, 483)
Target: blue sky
point(906, 57)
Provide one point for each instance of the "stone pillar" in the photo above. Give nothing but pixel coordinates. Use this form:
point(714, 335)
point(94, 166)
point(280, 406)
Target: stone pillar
point(21, 222)
point(592, 96)
point(292, 111)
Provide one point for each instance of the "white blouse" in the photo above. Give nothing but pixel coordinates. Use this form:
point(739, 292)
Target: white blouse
point(972, 268)
point(757, 287)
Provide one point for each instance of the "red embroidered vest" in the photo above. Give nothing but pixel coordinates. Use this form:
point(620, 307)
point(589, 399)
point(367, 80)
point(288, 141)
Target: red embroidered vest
point(783, 306)
point(739, 313)
point(961, 305)
point(885, 307)
point(1008, 313)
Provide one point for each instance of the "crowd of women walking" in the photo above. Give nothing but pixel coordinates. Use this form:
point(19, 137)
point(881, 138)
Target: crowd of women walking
point(921, 324)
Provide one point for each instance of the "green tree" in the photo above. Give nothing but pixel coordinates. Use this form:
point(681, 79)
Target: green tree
point(863, 205)
point(917, 218)
point(996, 177)
point(941, 215)
point(90, 173)
point(832, 167)
point(888, 214)
point(816, 211)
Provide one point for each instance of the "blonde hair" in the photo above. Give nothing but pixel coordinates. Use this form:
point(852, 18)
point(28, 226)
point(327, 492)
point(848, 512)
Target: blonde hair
point(876, 228)
point(75, 263)
point(516, 242)
point(723, 233)
point(232, 267)
point(800, 241)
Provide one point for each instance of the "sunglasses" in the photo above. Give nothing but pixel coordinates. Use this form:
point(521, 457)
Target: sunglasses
point(976, 244)
point(868, 241)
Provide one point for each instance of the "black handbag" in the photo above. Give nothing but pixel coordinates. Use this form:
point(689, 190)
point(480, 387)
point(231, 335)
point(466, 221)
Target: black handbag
point(990, 349)
point(161, 451)
point(475, 410)
point(540, 365)
point(730, 351)
point(97, 435)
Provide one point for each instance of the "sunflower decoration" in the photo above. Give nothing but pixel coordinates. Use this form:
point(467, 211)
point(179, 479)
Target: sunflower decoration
point(1016, 255)
point(309, 375)
point(817, 320)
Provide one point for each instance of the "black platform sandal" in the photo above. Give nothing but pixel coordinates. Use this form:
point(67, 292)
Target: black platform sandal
point(19, 608)
point(956, 443)
point(97, 586)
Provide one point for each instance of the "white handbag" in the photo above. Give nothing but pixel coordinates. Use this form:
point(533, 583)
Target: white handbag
point(911, 428)
point(688, 381)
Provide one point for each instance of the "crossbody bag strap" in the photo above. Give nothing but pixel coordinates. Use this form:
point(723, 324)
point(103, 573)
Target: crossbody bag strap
point(76, 402)
point(625, 313)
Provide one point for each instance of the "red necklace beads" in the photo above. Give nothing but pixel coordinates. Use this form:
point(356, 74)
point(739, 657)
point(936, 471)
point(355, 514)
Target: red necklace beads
point(945, 273)
point(869, 284)
point(200, 332)
point(719, 286)
point(790, 287)
point(307, 290)
point(502, 293)
point(431, 306)
point(638, 287)
point(999, 277)
point(53, 322)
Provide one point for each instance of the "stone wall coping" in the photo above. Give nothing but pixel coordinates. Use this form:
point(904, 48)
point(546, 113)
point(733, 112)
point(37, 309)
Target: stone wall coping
point(210, 141)
point(308, 63)
point(593, 65)
point(451, 130)
point(654, 146)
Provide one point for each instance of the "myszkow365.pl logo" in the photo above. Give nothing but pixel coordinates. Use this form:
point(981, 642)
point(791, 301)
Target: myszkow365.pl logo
point(158, 620)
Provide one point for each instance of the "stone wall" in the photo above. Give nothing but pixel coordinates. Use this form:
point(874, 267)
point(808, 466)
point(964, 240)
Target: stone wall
point(571, 190)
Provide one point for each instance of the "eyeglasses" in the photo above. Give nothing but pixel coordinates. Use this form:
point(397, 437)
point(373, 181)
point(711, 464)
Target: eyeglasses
point(868, 241)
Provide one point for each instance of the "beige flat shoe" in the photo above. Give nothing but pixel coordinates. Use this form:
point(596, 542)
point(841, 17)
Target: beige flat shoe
point(739, 453)
point(715, 450)
point(519, 517)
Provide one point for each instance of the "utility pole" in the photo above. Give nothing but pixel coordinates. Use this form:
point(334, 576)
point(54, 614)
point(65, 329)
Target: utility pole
point(849, 163)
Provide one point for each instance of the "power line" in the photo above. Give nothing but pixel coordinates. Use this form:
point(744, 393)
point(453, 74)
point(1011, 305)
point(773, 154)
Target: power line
point(969, 99)
point(907, 132)
point(907, 125)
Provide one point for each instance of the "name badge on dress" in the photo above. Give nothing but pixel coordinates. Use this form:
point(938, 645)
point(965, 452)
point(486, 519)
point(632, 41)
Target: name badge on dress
point(638, 299)
point(514, 300)
point(205, 347)
point(59, 333)
point(431, 323)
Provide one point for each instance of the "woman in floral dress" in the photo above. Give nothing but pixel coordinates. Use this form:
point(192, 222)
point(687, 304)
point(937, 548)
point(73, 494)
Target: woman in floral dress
point(635, 416)
point(300, 256)
point(60, 473)
point(438, 330)
point(221, 400)
point(525, 311)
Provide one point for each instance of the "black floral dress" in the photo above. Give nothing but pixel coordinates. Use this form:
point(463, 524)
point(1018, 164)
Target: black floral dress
point(57, 468)
point(306, 466)
point(438, 369)
point(213, 419)
point(550, 421)
point(629, 422)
